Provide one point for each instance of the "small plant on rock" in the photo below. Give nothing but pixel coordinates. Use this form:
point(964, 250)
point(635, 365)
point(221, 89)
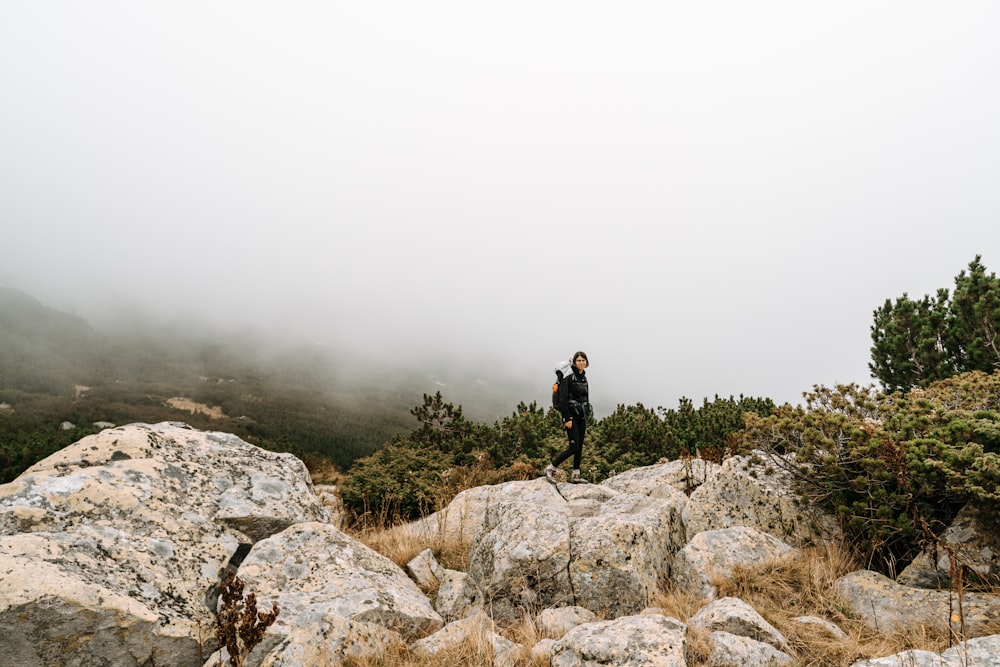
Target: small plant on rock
point(239, 626)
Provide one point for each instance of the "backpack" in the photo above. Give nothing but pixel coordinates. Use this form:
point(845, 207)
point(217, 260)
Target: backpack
point(563, 368)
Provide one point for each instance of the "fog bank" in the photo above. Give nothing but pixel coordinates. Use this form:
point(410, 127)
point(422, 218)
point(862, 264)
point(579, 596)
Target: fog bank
point(707, 199)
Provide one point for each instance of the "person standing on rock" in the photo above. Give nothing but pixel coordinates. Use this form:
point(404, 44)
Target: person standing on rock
point(574, 406)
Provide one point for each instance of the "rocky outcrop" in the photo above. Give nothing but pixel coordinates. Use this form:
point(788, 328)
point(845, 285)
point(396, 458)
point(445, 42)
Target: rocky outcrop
point(111, 553)
point(713, 554)
point(664, 479)
point(313, 571)
point(115, 545)
point(574, 545)
point(648, 639)
point(756, 491)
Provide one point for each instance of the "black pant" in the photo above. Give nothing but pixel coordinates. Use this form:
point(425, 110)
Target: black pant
point(575, 434)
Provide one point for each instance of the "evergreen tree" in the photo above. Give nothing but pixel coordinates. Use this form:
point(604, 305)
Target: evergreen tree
point(975, 320)
point(909, 342)
point(917, 342)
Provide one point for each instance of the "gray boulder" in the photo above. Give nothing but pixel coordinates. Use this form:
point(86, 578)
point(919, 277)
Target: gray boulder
point(583, 545)
point(457, 596)
point(651, 640)
point(557, 622)
point(466, 513)
point(521, 559)
point(757, 492)
point(313, 571)
point(729, 649)
point(886, 606)
point(974, 539)
point(425, 571)
point(112, 548)
point(736, 617)
point(911, 658)
point(329, 641)
point(621, 552)
point(541, 651)
point(978, 652)
point(714, 553)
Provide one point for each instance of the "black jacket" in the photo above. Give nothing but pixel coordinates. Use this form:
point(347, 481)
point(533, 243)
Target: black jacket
point(574, 395)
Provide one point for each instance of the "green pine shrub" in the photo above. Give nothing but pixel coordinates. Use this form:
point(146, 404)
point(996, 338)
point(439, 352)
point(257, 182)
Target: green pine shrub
point(894, 468)
point(419, 473)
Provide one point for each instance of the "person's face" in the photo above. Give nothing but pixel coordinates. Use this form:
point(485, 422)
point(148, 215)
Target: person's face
point(580, 363)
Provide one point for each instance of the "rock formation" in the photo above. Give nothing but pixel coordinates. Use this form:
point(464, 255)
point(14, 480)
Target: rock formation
point(114, 546)
point(112, 550)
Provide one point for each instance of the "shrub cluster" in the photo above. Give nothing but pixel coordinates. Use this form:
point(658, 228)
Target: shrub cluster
point(895, 468)
point(421, 472)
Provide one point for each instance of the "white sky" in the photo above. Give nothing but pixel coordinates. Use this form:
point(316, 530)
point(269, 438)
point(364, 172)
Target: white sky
point(707, 197)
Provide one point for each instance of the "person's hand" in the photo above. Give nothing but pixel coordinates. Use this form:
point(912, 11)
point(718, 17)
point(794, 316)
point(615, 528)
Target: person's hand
point(569, 423)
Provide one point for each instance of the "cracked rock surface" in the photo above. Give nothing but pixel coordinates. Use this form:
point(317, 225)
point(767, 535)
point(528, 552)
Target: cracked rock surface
point(117, 542)
point(545, 546)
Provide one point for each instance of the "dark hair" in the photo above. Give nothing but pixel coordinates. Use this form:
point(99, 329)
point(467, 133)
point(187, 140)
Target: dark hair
point(580, 354)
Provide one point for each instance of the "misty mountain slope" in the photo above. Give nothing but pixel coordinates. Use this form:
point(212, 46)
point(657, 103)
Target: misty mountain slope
point(36, 341)
point(21, 314)
point(316, 403)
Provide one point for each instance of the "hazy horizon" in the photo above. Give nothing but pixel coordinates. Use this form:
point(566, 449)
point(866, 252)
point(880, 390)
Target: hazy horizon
point(708, 199)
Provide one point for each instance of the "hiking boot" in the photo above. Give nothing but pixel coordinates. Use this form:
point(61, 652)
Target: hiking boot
point(576, 479)
point(550, 473)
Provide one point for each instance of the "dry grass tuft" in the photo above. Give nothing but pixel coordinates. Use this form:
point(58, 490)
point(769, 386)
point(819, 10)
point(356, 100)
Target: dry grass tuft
point(323, 471)
point(797, 586)
point(784, 589)
point(697, 647)
point(677, 604)
point(524, 631)
point(401, 543)
point(400, 656)
point(475, 651)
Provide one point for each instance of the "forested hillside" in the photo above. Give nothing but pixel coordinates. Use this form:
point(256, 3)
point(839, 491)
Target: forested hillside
point(56, 370)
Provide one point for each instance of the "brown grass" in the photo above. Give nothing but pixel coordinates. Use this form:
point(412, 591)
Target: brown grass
point(676, 604)
point(697, 648)
point(401, 543)
point(322, 470)
point(524, 631)
point(466, 655)
point(804, 586)
point(187, 405)
point(476, 651)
